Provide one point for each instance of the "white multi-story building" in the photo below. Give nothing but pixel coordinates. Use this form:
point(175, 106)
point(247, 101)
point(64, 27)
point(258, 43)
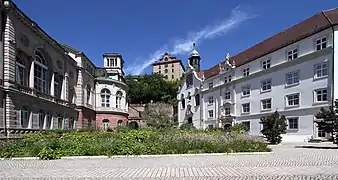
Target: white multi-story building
point(293, 72)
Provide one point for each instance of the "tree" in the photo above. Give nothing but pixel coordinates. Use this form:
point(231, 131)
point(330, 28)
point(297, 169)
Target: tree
point(159, 116)
point(273, 126)
point(328, 120)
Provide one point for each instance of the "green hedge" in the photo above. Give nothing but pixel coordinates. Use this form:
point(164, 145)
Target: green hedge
point(54, 145)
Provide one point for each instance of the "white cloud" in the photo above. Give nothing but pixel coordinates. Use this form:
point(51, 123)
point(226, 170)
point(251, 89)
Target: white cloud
point(183, 46)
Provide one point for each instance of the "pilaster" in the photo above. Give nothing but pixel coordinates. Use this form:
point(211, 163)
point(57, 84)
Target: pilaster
point(31, 76)
point(12, 117)
point(9, 53)
point(52, 86)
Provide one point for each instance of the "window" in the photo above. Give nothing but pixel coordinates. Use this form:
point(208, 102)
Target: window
point(105, 98)
point(116, 62)
point(266, 64)
point(48, 121)
point(41, 119)
point(211, 100)
point(166, 71)
point(182, 101)
point(292, 54)
point(292, 100)
point(292, 78)
point(166, 77)
point(246, 90)
point(227, 95)
point(320, 70)
point(321, 132)
point(159, 67)
point(166, 65)
point(266, 85)
point(119, 99)
point(293, 123)
point(24, 119)
point(321, 43)
point(59, 121)
point(119, 123)
point(210, 126)
point(57, 86)
point(189, 95)
point(172, 70)
point(172, 77)
point(246, 108)
point(172, 65)
point(71, 123)
point(227, 111)
point(189, 80)
point(40, 73)
point(246, 72)
point(211, 85)
point(197, 99)
point(88, 89)
point(210, 113)
point(159, 71)
point(20, 71)
point(227, 79)
point(266, 104)
point(105, 124)
point(321, 95)
point(247, 125)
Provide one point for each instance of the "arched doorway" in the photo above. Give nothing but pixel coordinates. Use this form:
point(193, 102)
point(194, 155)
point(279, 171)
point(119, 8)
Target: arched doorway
point(190, 120)
point(133, 125)
point(227, 126)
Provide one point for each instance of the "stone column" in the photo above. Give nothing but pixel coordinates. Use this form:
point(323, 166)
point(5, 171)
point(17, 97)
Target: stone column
point(79, 89)
point(52, 85)
point(31, 76)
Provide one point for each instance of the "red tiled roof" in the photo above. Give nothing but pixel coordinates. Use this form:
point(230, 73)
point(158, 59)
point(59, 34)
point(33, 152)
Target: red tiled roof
point(304, 29)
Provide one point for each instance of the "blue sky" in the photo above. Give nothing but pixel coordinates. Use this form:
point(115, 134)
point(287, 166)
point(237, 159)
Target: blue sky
point(139, 28)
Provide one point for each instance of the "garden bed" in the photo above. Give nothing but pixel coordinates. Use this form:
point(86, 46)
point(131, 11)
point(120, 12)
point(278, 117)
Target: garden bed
point(55, 145)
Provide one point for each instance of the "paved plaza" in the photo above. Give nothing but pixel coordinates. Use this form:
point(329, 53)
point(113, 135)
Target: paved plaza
point(286, 162)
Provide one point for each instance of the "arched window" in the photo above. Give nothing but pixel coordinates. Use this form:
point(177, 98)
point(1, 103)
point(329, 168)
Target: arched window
point(88, 89)
point(41, 119)
point(166, 71)
point(60, 121)
point(48, 120)
point(40, 73)
point(105, 98)
point(24, 119)
point(72, 96)
point(182, 101)
point(105, 124)
point(119, 99)
point(119, 123)
point(57, 86)
point(20, 71)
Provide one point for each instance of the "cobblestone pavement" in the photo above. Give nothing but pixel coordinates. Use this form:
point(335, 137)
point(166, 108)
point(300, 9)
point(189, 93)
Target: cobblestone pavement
point(285, 163)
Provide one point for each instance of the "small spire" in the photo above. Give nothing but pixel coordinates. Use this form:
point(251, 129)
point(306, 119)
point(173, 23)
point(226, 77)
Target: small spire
point(194, 45)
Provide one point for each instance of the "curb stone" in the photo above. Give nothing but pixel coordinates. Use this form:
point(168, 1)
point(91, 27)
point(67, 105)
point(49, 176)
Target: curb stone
point(146, 156)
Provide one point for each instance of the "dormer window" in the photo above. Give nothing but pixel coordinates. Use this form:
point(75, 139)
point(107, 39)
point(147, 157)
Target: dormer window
point(246, 71)
point(211, 85)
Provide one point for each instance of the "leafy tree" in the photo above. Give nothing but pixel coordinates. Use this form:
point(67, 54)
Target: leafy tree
point(159, 116)
point(273, 126)
point(328, 121)
point(151, 87)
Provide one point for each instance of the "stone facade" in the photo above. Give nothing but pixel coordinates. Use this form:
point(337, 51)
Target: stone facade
point(48, 85)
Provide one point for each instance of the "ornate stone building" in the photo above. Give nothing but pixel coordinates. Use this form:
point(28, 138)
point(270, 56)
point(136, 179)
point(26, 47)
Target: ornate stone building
point(47, 85)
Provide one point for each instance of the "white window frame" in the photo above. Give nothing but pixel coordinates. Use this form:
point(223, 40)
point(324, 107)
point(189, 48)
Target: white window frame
point(105, 95)
point(119, 95)
point(288, 123)
point(227, 110)
point(320, 70)
point(294, 78)
point(211, 85)
point(292, 54)
point(40, 80)
point(246, 90)
point(20, 71)
point(211, 100)
point(266, 104)
point(266, 85)
point(227, 95)
point(321, 43)
point(210, 112)
point(323, 94)
point(245, 106)
point(266, 64)
point(246, 71)
point(294, 99)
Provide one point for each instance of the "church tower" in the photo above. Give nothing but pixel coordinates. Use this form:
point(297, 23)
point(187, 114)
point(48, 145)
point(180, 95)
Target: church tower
point(194, 59)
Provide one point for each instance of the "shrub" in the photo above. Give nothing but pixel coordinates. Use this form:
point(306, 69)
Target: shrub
point(187, 126)
point(52, 145)
point(273, 126)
